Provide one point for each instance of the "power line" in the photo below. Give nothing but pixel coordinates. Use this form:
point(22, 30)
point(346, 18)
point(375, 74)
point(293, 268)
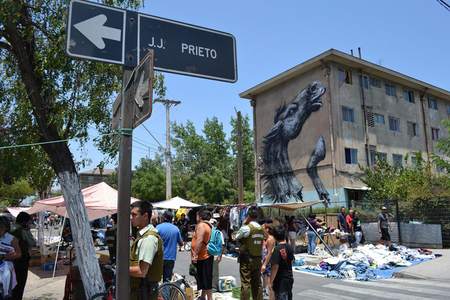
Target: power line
point(444, 4)
point(153, 136)
point(45, 143)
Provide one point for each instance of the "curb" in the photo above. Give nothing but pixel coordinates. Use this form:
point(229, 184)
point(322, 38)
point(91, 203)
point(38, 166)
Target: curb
point(409, 276)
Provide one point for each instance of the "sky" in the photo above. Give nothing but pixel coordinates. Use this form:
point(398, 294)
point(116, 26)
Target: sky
point(409, 36)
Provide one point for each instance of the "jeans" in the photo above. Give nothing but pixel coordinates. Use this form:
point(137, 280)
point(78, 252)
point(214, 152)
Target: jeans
point(311, 241)
point(168, 270)
point(358, 237)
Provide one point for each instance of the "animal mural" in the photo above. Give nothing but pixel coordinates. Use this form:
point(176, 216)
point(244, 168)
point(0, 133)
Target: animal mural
point(281, 184)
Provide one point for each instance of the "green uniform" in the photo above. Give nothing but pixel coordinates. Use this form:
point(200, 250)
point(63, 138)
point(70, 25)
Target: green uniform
point(146, 288)
point(250, 263)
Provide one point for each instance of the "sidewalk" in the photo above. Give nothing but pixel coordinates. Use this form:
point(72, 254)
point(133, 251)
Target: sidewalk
point(436, 269)
point(40, 284)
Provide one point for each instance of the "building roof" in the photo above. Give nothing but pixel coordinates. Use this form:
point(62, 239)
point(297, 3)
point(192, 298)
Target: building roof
point(336, 56)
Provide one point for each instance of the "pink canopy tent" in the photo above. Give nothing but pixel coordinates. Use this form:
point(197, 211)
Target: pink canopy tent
point(16, 210)
point(100, 201)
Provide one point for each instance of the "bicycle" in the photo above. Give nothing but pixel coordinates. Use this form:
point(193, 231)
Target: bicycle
point(173, 290)
point(166, 291)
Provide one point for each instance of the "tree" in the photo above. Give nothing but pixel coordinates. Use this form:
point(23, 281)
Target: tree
point(444, 147)
point(63, 97)
point(149, 180)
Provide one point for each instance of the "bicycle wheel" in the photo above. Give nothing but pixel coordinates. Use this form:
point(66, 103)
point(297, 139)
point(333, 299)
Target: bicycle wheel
point(187, 246)
point(170, 291)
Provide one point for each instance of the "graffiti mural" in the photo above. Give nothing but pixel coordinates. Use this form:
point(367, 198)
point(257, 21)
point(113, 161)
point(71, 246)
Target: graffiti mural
point(281, 184)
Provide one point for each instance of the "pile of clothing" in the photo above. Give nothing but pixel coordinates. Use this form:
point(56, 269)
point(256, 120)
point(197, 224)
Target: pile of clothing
point(369, 262)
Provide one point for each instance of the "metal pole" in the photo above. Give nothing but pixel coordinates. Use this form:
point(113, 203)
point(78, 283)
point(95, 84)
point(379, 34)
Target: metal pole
point(167, 104)
point(318, 235)
point(123, 200)
point(239, 158)
point(397, 212)
point(57, 249)
point(168, 158)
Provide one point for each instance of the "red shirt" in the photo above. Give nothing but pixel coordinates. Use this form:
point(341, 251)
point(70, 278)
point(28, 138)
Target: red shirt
point(349, 221)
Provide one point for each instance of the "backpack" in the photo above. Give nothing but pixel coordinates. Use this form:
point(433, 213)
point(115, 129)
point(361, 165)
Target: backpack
point(215, 242)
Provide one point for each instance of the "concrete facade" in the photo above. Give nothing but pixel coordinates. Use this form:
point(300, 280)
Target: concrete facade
point(367, 94)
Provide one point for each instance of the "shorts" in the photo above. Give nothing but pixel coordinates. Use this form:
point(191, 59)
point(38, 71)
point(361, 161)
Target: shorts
point(385, 236)
point(205, 273)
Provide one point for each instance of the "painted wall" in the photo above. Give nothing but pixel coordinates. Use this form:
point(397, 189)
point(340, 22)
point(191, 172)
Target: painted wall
point(299, 149)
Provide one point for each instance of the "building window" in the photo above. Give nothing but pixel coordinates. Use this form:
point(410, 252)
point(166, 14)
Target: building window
point(432, 103)
point(375, 82)
point(378, 119)
point(351, 156)
point(345, 76)
point(434, 133)
point(448, 111)
point(412, 128)
point(390, 89)
point(397, 160)
point(414, 160)
point(408, 95)
point(394, 124)
point(381, 156)
point(364, 81)
point(348, 114)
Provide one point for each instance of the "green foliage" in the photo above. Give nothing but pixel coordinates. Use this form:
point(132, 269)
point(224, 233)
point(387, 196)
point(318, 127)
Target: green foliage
point(444, 147)
point(13, 194)
point(410, 186)
point(203, 166)
point(149, 180)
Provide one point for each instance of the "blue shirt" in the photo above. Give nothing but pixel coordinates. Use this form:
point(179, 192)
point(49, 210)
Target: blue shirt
point(170, 234)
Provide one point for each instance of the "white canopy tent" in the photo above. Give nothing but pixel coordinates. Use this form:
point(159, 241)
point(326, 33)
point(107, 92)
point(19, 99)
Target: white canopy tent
point(175, 203)
point(100, 201)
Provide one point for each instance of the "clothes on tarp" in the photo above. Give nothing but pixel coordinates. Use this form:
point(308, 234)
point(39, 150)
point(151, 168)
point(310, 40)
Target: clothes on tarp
point(368, 262)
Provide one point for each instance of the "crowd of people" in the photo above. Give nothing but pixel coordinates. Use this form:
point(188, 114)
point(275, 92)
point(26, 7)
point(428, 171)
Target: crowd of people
point(265, 248)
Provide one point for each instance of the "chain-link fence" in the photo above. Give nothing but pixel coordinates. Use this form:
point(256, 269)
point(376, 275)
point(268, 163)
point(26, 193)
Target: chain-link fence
point(417, 223)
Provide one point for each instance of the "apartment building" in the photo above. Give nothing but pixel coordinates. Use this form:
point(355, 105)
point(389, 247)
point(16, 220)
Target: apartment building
point(368, 112)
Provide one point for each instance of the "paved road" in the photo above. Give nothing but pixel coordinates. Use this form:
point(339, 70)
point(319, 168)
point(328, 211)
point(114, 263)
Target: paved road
point(313, 287)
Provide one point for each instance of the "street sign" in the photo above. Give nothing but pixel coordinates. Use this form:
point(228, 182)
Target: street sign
point(140, 89)
point(103, 33)
point(96, 32)
point(188, 49)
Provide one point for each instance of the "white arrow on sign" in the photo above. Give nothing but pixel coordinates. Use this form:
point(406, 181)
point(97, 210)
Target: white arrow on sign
point(95, 31)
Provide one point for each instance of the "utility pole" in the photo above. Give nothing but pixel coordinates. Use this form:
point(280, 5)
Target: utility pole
point(239, 158)
point(168, 103)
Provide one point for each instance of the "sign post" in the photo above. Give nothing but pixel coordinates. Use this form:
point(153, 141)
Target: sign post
point(113, 35)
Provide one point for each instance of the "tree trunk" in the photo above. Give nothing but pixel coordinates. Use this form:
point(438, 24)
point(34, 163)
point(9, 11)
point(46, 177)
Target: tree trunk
point(81, 232)
point(23, 48)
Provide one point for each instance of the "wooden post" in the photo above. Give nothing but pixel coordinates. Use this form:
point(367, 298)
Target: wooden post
point(239, 159)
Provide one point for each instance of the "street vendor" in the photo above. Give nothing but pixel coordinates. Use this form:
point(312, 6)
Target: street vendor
point(251, 236)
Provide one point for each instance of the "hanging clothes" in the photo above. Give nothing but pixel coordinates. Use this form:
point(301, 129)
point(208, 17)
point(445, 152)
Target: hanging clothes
point(234, 218)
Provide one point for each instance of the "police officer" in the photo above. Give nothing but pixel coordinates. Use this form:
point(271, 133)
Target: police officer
point(146, 254)
point(251, 236)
